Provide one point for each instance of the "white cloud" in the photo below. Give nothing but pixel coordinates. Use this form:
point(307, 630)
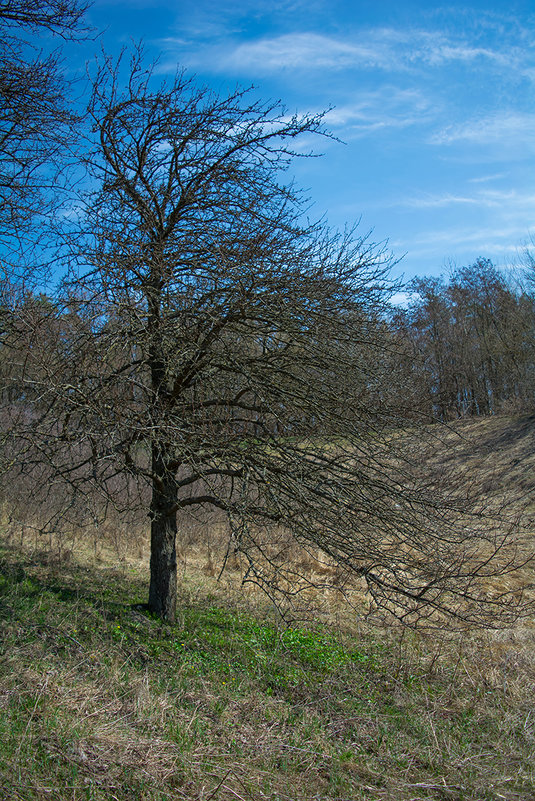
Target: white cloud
point(440, 52)
point(484, 179)
point(489, 223)
point(300, 50)
point(510, 204)
point(375, 48)
point(506, 128)
point(400, 299)
point(500, 238)
point(437, 201)
point(387, 107)
point(529, 73)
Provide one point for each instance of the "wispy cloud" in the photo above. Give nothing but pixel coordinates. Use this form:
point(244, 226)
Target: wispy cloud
point(387, 107)
point(438, 53)
point(374, 48)
point(503, 128)
point(509, 204)
point(501, 237)
point(297, 51)
point(461, 245)
point(491, 223)
point(484, 179)
point(437, 201)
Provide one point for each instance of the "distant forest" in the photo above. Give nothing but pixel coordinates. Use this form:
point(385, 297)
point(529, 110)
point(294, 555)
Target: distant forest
point(466, 346)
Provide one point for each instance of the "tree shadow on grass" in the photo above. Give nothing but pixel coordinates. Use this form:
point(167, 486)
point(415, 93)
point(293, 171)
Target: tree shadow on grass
point(70, 583)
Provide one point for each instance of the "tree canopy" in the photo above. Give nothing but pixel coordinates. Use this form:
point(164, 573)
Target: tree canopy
point(37, 119)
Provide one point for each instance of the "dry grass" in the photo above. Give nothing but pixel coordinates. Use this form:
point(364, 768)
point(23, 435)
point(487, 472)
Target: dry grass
point(100, 701)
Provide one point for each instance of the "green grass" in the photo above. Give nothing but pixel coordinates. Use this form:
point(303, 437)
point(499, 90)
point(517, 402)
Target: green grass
point(98, 700)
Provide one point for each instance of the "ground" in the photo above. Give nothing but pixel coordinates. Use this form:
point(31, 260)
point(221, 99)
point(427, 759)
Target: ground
point(98, 700)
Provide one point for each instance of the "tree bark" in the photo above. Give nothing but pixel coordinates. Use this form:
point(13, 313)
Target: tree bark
point(163, 564)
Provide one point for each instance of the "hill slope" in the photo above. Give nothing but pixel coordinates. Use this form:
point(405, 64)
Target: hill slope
point(100, 701)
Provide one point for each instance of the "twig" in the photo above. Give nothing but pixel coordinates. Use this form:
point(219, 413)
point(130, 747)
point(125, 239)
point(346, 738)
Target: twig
point(219, 785)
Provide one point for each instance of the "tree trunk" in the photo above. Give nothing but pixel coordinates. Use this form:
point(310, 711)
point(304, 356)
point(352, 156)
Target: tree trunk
point(163, 565)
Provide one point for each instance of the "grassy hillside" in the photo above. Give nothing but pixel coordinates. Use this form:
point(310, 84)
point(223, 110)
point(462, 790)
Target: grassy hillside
point(100, 701)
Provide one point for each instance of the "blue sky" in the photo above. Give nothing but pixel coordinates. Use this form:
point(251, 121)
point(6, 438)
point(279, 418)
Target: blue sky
point(435, 104)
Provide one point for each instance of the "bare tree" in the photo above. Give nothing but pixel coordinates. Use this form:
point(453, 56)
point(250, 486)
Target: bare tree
point(36, 117)
point(211, 348)
point(474, 335)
